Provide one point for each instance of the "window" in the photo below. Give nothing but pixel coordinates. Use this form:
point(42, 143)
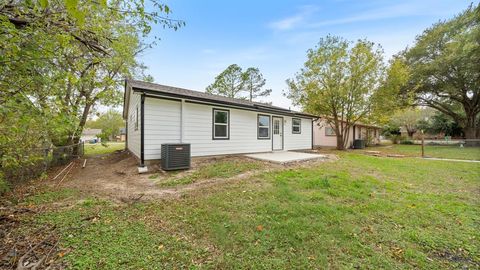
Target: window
point(221, 126)
point(329, 131)
point(264, 127)
point(276, 127)
point(136, 118)
point(296, 125)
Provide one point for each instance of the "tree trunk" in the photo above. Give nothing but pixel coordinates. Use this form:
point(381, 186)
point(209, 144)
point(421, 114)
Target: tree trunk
point(340, 142)
point(75, 138)
point(410, 133)
point(470, 128)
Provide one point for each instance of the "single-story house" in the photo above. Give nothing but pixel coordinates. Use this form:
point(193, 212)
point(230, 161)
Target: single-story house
point(90, 134)
point(213, 125)
point(324, 134)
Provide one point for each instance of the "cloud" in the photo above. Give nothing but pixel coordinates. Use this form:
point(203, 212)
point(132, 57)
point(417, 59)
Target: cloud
point(295, 20)
point(405, 9)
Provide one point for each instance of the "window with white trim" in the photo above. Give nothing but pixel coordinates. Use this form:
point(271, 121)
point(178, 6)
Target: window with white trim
point(221, 119)
point(263, 126)
point(296, 125)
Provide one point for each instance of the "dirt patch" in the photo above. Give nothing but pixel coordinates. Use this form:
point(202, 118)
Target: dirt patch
point(115, 176)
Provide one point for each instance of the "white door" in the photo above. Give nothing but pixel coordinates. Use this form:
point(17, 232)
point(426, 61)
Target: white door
point(277, 140)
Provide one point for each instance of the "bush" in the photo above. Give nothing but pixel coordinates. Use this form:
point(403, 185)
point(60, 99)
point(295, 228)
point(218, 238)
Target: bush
point(4, 186)
point(406, 142)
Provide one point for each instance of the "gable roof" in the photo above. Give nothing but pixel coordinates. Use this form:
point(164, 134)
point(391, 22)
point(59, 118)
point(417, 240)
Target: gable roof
point(181, 93)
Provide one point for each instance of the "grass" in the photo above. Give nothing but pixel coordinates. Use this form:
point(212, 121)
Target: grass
point(437, 151)
point(99, 149)
point(219, 169)
point(357, 212)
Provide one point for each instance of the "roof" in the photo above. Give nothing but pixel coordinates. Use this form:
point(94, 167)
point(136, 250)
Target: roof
point(170, 91)
point(91, 131)
point(356, 124)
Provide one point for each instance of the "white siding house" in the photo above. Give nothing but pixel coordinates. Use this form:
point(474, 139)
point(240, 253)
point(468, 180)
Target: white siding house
point(211, 124)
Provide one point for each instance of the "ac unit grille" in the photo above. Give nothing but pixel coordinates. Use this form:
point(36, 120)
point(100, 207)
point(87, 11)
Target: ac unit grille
point(175, 156)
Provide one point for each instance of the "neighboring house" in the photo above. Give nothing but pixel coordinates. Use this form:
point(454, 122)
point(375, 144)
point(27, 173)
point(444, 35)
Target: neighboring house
point(90, 134)
point(211, 124)
point(122, 134)
point(324, 134)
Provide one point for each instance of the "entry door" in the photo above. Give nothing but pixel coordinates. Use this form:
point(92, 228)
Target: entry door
point(277, 140)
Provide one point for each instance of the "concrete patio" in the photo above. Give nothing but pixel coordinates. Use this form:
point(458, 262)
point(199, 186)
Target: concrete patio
point(285, 156)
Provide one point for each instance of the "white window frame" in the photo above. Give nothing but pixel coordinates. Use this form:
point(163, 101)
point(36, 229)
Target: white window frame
point(227, 137)
point(299, 126)
point(264, 127)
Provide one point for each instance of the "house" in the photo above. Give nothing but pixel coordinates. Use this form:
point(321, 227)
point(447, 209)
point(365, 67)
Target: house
point(122, 134)
point(91, 134)
point(324, 134)
point(213, 125)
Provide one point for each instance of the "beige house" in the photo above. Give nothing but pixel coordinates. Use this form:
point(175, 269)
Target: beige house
point(324, 134)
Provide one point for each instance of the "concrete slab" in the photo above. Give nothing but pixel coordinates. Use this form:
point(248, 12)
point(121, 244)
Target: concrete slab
point(285, 156)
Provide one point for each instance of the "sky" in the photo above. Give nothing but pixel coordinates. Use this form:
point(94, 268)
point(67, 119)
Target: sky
point(275, 35)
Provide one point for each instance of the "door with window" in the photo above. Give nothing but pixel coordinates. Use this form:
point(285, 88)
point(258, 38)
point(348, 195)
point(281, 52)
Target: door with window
point(277, 140)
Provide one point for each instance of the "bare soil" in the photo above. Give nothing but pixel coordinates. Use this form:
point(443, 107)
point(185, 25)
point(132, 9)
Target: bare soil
point(115, 176)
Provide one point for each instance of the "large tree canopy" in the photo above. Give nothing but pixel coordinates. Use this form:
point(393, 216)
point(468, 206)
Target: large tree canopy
point(61, 58)
point(444, 69)
point(338, 81)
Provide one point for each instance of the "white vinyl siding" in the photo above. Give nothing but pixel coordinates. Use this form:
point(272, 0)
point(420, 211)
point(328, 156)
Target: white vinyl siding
point(133, 134)
point(163, 125)
point(298, 141)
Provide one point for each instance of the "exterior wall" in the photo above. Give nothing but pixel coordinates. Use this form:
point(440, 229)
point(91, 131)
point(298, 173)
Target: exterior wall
point(133, 136)
point(297, 141)
point(320, 139)
point(163, 124)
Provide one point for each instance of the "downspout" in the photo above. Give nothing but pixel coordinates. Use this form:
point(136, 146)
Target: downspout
point(142, 129)
point(182, 121)
point(313, 137)
point(353, 140)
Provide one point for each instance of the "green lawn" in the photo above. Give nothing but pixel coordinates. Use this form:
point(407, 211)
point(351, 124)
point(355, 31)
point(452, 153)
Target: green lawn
point(99, 149)
point(359, 212)
point(219, 169)
point(438, 151)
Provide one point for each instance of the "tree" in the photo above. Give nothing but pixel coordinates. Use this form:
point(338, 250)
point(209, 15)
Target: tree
point(444, 69)
point(63, 60)
point(389, 98)
point(233, 82)
point(60, 59)
point(338, 81)
point(229, 83)
point(440, 123)
point(409, 119)
point(109, 122)
point(254, 82)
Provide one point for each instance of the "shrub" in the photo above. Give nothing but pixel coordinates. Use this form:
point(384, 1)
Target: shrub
point(406, 142)
point(4, 186)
